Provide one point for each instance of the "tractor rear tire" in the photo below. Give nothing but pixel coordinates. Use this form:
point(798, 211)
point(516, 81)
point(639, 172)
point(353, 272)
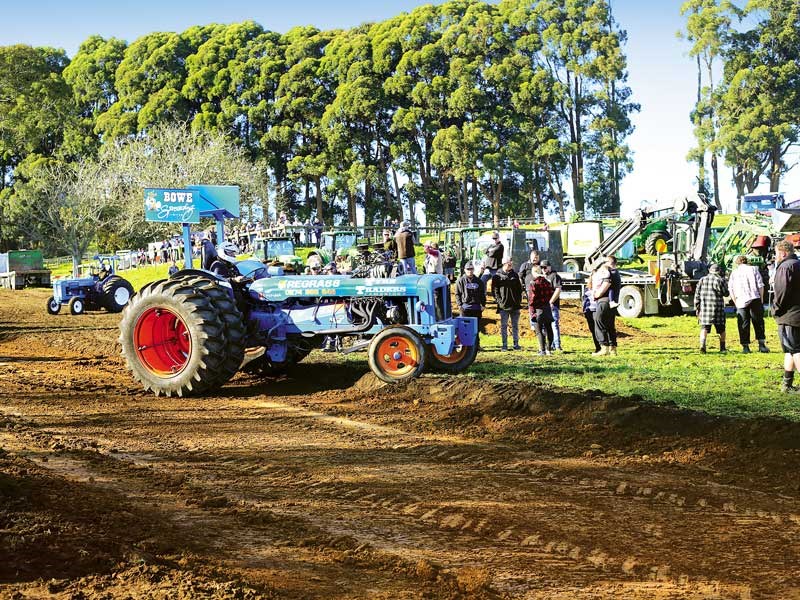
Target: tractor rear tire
point(457, 361)
point(117, 292)
point(571, 265)
point(176, 339)
point(397, 354)
point(652, 240)
point(232, 321)
point(76, 305)
point(53, 307)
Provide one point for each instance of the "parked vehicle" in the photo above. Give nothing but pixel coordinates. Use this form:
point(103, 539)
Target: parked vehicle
point(278, 250)
point(23, 268)
point(97, 288)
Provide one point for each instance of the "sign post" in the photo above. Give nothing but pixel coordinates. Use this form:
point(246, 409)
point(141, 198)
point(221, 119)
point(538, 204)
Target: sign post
point(189, 205)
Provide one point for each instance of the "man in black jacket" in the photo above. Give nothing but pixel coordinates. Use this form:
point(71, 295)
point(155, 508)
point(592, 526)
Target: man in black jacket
point(507, 292)
point(786, 307)
point(470, 293)
point(525, 269)
point(494, 257)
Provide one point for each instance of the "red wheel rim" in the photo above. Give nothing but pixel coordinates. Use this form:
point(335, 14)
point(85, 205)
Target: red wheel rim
point(459, 352)
point(397, 356)
point(162, 341)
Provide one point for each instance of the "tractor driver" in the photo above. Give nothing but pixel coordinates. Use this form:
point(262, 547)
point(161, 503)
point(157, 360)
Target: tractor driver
point(105, 270)
point(223, 264)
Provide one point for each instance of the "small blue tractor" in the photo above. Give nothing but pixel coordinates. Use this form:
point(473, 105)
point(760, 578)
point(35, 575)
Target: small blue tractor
point(191, 333)
point(98, 287)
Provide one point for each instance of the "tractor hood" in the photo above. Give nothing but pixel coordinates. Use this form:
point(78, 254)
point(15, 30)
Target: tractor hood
point(277, 289)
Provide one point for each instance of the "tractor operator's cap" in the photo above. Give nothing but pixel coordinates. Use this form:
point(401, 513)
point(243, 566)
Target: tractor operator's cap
point(714, 268)
point(544, 263)
point(404, 224)
point(469, 266)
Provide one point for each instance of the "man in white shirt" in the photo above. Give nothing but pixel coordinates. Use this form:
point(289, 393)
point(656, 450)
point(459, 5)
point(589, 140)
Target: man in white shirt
point(746, 288)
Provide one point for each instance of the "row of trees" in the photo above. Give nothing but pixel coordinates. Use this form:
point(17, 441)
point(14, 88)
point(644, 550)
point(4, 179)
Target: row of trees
point(467, 108)
point(748, 89)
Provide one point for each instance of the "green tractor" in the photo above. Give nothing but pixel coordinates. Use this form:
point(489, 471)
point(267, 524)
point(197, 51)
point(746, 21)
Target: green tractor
point(336, 247)
point(647, 241)
point(278, 250)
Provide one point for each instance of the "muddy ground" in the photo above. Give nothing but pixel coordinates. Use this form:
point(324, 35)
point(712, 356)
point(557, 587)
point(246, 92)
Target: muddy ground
point(327, 484)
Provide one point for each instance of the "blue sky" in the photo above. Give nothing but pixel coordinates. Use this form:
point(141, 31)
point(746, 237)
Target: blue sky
point(661, 74)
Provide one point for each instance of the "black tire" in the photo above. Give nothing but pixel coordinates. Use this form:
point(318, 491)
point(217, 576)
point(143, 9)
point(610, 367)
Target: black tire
point(407, 360)
point(232, 320)
point(631, 302)
point(53, 307)
point(571, 265)
point(456, 362)
point(207, 340)
point(117, 292)
point(652, 239)
point(76, 305)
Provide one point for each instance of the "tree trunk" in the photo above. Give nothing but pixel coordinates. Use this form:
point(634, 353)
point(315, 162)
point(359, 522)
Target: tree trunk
point(474, 201)
point(738, 180)
point(446, 199)
point(775, 169)
point(579, 201)
point(398, 212)
point(318, 183)
point(715, 175)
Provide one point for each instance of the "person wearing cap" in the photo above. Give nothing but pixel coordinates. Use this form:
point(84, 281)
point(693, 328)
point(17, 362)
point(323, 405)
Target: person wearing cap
point(404, 238)
point(389, 245)
point(493, 257)
point(555, 302)
point(507, 292)
point(709, 305)
point(470, 293)
point(525, 269)
point(747, 293)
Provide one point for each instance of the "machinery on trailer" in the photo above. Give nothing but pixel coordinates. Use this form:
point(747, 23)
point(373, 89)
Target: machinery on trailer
point(189, 334)
point(23, 268)
point(672, 277)
point(98, 287)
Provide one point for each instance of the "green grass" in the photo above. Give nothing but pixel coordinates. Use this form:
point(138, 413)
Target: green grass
point(662, 365)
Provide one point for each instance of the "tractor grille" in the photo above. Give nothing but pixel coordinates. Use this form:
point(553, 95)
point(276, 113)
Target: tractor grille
point(441, 301)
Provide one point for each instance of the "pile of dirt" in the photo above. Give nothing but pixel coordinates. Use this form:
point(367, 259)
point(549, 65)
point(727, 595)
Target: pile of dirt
point(612, 428)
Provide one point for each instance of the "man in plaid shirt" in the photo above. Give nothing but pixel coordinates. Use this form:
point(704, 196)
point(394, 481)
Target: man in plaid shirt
point(709, 305)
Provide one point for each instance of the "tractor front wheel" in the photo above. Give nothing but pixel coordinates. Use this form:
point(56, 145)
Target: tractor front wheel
point(76, 306)
point(457, 361)
point(397, 354)
point(117, 293)
point(53, 307)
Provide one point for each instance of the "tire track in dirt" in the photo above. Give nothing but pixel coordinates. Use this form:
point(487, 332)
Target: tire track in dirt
point(232, 531)
point(553, 550)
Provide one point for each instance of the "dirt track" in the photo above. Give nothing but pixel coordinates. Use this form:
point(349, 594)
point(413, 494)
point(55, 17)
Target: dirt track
point(327, 484)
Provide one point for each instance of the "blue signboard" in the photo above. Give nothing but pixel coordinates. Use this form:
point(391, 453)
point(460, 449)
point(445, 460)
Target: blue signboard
point(218, 200)
point(172, 205)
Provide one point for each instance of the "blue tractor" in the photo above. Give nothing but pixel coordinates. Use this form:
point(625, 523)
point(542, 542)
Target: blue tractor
point(98, 287)
point(191, 333)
